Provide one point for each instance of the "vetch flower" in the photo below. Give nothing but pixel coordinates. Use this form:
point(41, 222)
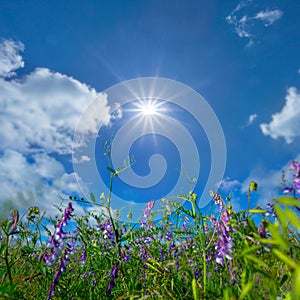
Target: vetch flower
point(59, 249)
point(83, 257)
point(225, 243)
point(217, 198)
point(148, 208)
point(126, 253)
point(108, 233)
point(262, 230)
point(270, 211)
point(67, 214)
point(114, 275)
point(169, 235)
point(295, 166)
point(287, 190)
point(14, 213)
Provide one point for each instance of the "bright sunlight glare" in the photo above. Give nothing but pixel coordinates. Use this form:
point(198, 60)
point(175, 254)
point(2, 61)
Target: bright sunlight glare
point(148, 109)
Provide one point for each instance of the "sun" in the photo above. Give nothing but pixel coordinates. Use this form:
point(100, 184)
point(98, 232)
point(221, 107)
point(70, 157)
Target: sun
point(148, 109)
point(148, 113)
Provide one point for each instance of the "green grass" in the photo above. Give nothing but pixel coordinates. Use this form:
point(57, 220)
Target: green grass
point(184, 256)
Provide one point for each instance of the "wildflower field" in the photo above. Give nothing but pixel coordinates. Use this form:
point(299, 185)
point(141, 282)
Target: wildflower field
point(185, 255)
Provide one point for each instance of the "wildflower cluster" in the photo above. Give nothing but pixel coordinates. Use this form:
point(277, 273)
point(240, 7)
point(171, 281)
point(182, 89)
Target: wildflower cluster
point(108, 234)
point(114, 275)
point(146, 212)
point(185, 255)
point(224, 244)
point(60, 246)
point(294, 187)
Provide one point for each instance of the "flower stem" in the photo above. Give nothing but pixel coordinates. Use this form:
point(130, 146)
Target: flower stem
point(6, 259)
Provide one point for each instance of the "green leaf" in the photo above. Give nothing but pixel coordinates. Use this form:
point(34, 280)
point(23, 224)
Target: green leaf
point(249, 250)
point(277, 236)
point(246, 289)
point(284, 279)
point(293, 218)
point(195, 289)
point(93, 197)
point(257, 211)
point(286, 200)
point(158, 268)
point(47, 230)
point(269, 241)
point(3, 246)
point(111, 170)
point(281, 216)
point(153, 268)
point(286, 259)
point(296, 282)
point(251, 224)
point(257, 260)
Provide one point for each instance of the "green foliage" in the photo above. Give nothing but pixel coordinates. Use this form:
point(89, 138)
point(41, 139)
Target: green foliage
point(175, 258)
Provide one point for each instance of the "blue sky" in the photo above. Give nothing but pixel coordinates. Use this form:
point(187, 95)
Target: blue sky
point(57, 57)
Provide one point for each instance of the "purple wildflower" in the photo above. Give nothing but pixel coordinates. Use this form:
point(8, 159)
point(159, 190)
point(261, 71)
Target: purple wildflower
point(233, 276)
point(51, 291)
point(217, 198)
point(126, 253)
point(59, 248)
point(169, 235)
point(148, 208)
point(143, 223)
point(208, 256)
point(147, 241)
point(114, 275)
point(270, 211)
point(287, 190)
point(68, 214)
point(108, 233)
point(184, 224)
point(295, 166)
point(224, 245)
point(83, 257)
point(262, 230)
point(263, 233)
point(14, 213)
point(162, 256)
point(144, 255)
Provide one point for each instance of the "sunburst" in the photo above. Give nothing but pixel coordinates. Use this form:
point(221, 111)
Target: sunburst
point(148, 108)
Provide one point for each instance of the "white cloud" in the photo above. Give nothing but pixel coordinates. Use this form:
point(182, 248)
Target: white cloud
point(228, 185)
point(39, 114)
point(251, 119)
point(286, 123)
point(240, 23)
point(97, 113)
point(10, 59)
point(41, 111)
point(244, 23)
point(35, 181)
point(269, 16)
point(83, 158)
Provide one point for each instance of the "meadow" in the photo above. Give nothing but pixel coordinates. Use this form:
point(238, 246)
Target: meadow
point(224, 254)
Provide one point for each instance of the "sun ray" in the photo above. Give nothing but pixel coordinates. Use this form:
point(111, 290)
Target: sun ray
point(149, 114)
